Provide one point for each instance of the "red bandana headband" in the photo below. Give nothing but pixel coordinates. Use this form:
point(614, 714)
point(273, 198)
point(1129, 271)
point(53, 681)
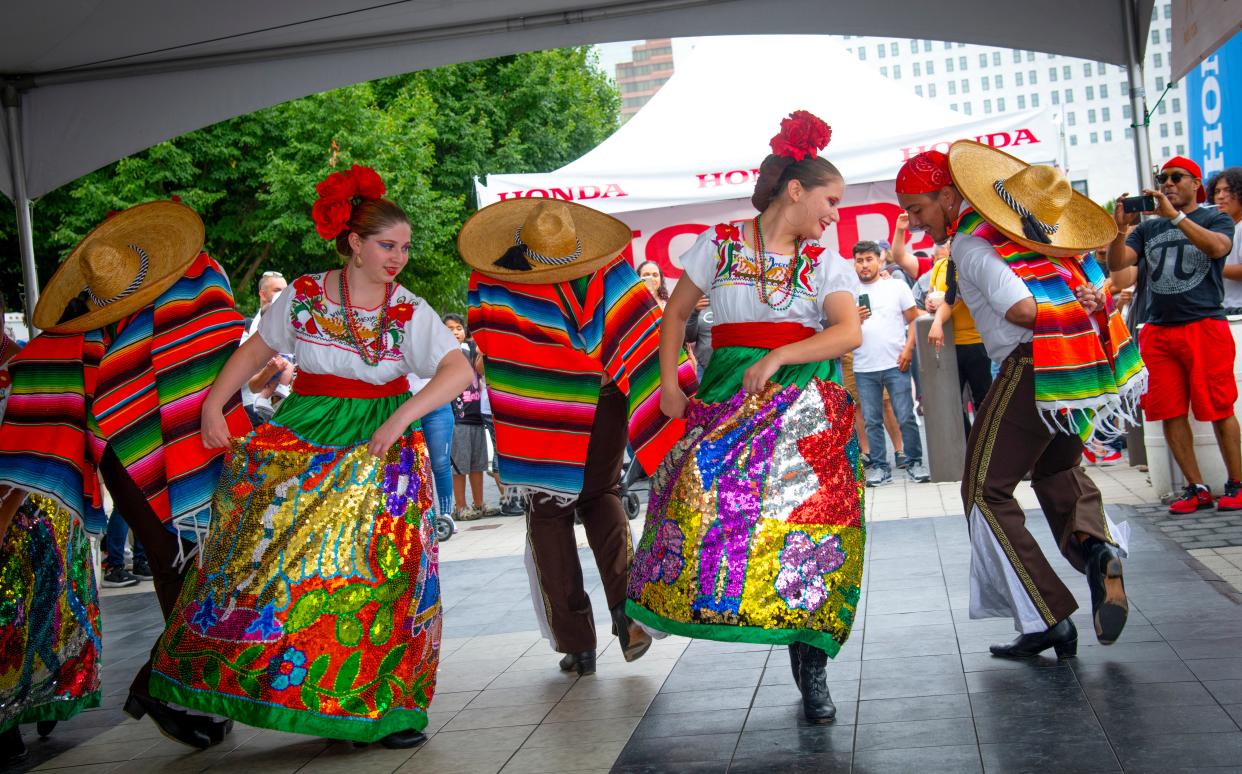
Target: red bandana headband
point(338, 193)
point(925, 173)
point(802, 135)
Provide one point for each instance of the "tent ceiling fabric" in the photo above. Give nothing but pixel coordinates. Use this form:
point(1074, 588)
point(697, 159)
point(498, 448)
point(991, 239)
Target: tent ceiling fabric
point(102, 80)
point(1199, 28)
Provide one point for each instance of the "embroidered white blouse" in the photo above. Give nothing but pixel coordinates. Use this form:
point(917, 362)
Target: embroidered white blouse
point(724, 267)
point(304, 321)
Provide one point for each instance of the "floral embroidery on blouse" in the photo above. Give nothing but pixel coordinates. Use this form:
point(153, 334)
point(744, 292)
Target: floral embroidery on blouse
point(318, 320)
point(736, 264)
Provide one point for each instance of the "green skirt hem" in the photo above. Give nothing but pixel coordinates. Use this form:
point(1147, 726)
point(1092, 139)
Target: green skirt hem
point(262, 715)
point(726, 633)
point(54, 710)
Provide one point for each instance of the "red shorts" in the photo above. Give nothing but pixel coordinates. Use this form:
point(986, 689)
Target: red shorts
point(1189, 366)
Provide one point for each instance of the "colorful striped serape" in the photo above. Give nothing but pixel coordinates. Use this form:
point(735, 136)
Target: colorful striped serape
point(1084, 381)
point(138, 387)
point(546, 347)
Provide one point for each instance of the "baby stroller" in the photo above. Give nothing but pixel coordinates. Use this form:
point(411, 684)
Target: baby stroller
point(633, 481)
point(445, 526)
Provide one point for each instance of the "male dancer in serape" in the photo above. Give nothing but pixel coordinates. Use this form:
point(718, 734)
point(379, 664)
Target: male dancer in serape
point(137, 323)
point(569, 336)
point(1068, 371)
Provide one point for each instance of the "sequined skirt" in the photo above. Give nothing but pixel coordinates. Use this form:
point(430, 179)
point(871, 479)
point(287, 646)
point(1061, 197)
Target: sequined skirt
point(755, 527)
point(315, 604)
point(49, 617)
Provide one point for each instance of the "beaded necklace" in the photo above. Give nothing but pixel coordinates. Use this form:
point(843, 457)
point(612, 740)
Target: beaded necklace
point(784, 286)
point(352, 326)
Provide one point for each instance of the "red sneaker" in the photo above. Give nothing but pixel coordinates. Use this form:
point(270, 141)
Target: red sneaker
point(1196, 497)
point(1231, 500)
point(1110, 458)
point(1088, 456)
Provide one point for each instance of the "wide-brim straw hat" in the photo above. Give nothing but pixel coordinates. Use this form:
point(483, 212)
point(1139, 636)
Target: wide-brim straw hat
point(125, 264)
point(554, 240)
point(998, 186)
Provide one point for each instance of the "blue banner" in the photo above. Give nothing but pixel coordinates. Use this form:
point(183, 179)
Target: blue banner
point(1214, 109)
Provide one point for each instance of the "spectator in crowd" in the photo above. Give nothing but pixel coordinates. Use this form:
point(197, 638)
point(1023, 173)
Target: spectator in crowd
point(115, 576)
point(438, 427)
point(469, 452)
point(278, 372)
point(1227, 194)
point(653, 277)
point(886, 307)
point(974, 368)
point(699, 335)
point(271, 283)
point(1186, 342)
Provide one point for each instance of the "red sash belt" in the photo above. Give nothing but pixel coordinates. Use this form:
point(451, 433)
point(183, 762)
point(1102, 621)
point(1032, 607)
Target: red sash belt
point(327, 385)
point(765, 335)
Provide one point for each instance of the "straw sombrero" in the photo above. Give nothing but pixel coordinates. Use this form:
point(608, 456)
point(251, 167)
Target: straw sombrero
point(1004, 189)
point(124, 264)
point(534, 241)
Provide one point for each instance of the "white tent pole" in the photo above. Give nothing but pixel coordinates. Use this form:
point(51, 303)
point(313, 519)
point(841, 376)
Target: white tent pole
point(1138, 93)
point(12, 101)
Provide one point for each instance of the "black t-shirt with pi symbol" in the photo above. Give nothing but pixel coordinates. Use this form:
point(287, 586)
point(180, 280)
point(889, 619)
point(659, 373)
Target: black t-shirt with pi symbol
point(1183, 283)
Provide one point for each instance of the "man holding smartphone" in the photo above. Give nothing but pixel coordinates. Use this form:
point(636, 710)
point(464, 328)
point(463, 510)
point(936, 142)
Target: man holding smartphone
point(1186, 341)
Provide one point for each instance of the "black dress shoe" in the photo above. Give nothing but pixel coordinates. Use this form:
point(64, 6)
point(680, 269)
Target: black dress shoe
point(12, 748)
point(1063, 638)
point(583, 663)
point(403, 740)
point(1109, 607)
point(45, 728)
point(177, 725)
point(634, 639)
point(813, 683)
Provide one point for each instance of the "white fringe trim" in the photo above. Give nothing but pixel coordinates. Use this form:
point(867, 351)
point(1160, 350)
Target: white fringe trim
point(1109, 415)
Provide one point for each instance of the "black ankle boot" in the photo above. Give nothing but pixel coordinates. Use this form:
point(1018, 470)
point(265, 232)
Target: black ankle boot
point(634, 639)
point(795, 660)
point(1063, 638)
point(813, 682)
point(403, 740)
point(1109, 606)
point(583, 663)
point(177, 725)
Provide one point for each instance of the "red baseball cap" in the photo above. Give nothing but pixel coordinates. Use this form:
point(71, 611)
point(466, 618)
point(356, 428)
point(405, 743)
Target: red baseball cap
point(1181, 162)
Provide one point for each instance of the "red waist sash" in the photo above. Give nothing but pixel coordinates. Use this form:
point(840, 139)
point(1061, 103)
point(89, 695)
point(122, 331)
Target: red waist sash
point(763, 335)
point(330, 386)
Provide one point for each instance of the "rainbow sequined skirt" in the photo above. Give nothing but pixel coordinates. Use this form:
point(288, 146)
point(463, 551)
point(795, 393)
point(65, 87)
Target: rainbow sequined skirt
point(755, 528)
point(315, 604)
point(50, 639)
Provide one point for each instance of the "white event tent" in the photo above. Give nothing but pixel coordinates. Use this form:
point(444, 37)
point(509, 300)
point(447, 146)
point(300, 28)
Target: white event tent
point(85, 82)
point(688, 158)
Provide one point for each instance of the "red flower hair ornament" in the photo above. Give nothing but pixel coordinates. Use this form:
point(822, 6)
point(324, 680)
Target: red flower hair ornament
point(802, 135)
point(338, 193)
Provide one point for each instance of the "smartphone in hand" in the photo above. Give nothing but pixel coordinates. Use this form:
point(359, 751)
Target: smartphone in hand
point(864, 300)
point(1144, 203)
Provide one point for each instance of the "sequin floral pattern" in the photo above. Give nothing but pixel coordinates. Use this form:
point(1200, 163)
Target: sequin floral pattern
point(315, 606)
point(49, 617)
point(761, 506)
point(320, 321)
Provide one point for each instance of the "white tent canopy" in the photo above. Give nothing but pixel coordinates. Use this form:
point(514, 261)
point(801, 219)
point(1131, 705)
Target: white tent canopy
point(1199, 28)
point(702, 136)
point(85, 82)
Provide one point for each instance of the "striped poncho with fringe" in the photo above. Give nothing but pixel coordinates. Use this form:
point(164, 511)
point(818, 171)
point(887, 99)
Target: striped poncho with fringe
point(1086, 383)
point(139, 388)
point(546, 347)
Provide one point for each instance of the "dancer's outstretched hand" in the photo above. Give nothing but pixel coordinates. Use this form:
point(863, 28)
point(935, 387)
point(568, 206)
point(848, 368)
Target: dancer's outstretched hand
point(673, 403)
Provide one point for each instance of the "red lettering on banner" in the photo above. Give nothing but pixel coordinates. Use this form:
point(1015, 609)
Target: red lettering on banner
point(995, 139)
point(561, 193)
point(732, 177)
point(732, 180)
point(703, 179)
point(658, 244)
point(594, 192)
point(847, 226)
point(613, 190)
point(566, 194)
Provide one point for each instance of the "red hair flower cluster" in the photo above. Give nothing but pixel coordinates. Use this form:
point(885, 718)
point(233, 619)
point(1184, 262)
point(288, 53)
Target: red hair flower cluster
point(338, 194)
point(802, 135)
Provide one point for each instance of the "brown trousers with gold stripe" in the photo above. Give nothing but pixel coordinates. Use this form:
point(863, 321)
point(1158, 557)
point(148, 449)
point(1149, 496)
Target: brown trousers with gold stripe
point(550, 532)
point(1007, 441)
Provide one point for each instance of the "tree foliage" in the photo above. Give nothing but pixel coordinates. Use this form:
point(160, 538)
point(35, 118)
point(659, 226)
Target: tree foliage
point(427, 133)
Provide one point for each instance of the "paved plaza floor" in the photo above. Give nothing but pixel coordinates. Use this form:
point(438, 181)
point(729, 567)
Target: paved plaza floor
point(915, 687)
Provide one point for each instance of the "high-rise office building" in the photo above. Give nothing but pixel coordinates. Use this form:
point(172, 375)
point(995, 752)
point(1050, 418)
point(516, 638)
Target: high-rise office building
point(1091, 99)
point(638, 80)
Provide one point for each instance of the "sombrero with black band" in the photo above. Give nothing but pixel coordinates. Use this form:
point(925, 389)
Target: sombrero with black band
point(538, 241)
point(123, 265)
point(1034, 205)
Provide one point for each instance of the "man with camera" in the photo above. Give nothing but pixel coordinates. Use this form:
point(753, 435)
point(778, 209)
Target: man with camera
point(1186, 342)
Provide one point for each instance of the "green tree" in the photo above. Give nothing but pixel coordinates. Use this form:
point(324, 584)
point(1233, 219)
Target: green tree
point(427, 133)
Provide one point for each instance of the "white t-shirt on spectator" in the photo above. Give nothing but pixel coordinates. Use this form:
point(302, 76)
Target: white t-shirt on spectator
point(989, 288)
point(884, 332)
point(1233, 288)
